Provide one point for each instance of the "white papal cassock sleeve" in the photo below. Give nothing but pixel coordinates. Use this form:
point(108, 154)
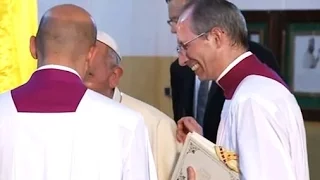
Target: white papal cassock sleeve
point(261, 142)
point(138, 164)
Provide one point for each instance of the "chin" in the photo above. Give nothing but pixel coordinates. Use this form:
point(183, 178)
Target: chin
point(201, 76)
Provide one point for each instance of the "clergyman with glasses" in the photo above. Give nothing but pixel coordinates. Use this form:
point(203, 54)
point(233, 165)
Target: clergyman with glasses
point(261, 120)
point(201, 101)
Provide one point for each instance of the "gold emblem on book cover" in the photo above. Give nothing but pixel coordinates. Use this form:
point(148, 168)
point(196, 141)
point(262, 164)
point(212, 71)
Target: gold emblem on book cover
point(230, 159)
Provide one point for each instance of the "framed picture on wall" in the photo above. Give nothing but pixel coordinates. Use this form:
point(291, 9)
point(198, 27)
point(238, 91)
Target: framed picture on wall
point(302, 56)
point(257, 32)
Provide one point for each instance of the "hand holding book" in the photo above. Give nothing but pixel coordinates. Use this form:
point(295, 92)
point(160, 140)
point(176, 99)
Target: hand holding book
point(186, 125)
point(208, 161)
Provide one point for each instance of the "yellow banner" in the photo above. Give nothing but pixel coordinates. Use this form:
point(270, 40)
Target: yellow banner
point(18, 21)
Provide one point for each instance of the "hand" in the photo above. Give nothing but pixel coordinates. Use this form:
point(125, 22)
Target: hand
point(186, 125)
point(191, 174)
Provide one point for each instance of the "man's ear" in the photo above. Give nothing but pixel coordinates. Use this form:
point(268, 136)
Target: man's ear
point(216, 36)
point(91, 54)
point(115, 77)
point(89, 59)
point(33, 47)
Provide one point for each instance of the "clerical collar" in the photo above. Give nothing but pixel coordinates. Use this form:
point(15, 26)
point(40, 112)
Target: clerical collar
point(59, 67)
point(233, 64)
point(245, 65)
point(117, 95)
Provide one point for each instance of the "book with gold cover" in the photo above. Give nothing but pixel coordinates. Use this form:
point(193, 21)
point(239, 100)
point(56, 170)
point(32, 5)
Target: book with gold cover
point(209, 161)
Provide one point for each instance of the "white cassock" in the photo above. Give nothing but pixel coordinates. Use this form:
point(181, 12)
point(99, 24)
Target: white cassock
point(53, 128)
point(161, 130)
point(262, 122)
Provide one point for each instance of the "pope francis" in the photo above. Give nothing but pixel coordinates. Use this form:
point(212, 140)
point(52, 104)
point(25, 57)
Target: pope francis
point(105, 78)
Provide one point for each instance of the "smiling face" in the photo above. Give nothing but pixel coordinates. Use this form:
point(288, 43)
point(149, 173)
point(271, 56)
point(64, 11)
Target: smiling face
point(211, 35)
point(196, 51)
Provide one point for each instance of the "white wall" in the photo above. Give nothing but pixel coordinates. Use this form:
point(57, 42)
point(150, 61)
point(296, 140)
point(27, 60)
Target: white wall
point(140, 28)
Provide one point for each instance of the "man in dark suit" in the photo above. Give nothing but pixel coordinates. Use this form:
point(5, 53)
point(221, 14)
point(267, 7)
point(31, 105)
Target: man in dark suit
point(183, 82)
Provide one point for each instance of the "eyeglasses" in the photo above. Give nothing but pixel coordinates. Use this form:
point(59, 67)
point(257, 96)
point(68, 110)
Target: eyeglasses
point(184, 46)
point(172, 21)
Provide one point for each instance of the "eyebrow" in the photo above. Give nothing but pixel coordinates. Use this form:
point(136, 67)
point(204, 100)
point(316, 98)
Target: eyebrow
point(174, 18)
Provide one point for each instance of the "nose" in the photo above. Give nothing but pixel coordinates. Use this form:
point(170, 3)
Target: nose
point(182, 59)
point(173, 28)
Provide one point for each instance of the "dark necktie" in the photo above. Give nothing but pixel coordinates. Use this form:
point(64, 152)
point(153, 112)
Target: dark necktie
point(202, 101)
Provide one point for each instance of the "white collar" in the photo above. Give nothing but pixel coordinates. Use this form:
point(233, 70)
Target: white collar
point(54, 66)
point(234, 63)
point(117, 95)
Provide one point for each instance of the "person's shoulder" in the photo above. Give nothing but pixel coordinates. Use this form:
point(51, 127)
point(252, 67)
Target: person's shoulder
point(149, 112)
point(5, 95)
point(6, 102)
point(261, 87)
point(110, 109)
point(262, 52)
point(254, 46)
point(175, 64)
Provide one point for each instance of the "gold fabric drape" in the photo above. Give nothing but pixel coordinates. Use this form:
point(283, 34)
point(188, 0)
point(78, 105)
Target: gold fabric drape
point(18, 21)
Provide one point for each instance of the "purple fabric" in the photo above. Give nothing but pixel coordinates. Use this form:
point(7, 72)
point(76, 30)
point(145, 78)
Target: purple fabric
point(248, 66)
point(49, 91)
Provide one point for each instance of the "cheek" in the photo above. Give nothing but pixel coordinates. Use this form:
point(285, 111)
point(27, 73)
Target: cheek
point(98, 80)
point(196, 54)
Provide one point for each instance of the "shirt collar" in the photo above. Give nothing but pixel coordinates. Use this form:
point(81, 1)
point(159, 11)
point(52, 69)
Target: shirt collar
point(59, 67)
point(233, 64)
point(117, 95)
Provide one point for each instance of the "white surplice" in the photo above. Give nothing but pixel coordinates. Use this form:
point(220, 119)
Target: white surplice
point(263, 124)
point(102, 140)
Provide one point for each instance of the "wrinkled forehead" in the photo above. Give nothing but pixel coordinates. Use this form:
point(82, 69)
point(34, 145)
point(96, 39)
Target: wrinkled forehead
point(102, 49)
point(105, 52)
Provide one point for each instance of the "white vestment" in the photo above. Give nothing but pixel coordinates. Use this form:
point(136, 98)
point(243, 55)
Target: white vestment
point(263, 124)
point(162, 134)
point(102, 140)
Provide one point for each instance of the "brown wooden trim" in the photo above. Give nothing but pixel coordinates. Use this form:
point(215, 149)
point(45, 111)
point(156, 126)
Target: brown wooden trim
point(302, 16)
point(256, 16)
point(275, 35)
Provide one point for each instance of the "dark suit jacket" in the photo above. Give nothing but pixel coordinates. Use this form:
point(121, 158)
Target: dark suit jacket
point(182, 85)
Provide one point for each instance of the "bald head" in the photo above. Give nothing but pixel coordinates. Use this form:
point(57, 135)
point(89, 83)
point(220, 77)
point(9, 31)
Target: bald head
point(65, 31)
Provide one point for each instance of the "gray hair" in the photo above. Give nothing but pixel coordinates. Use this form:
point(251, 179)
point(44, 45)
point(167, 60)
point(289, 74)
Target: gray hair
point(208, 14)
point(112, 54)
